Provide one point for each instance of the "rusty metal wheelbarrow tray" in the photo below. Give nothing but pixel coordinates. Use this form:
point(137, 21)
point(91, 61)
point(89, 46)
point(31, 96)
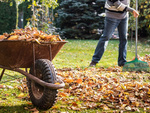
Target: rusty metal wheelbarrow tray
point(42, 79)
point(21, 54)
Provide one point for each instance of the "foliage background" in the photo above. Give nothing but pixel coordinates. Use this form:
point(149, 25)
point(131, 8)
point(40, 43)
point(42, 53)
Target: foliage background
point(69, 29)
point(7, 16)
point(79, 19)
point(75, 19)
point(26, 10)
point(144, 18)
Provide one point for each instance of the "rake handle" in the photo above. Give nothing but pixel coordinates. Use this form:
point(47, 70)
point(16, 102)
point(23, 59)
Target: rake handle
point(136, 31)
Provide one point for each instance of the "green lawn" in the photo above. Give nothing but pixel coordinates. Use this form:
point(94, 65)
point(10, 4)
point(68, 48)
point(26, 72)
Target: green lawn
point(74, 54)
point(78, 53)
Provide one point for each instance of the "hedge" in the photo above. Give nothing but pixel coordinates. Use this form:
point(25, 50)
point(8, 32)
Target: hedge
point(7, 16)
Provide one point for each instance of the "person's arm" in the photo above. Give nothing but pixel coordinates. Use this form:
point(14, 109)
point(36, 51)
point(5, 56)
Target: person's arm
point(122, 7)
point(135, 13)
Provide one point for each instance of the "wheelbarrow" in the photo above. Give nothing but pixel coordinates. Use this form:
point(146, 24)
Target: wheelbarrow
point(42, 79)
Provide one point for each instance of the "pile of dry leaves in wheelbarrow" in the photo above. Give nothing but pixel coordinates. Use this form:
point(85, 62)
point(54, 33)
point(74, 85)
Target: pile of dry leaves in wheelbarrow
point(30, 34)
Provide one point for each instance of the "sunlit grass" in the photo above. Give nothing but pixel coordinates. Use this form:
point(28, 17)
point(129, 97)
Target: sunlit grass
point(78, 53)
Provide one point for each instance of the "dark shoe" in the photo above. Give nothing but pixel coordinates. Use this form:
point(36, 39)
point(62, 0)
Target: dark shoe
point(121, 65)
point(92, 64)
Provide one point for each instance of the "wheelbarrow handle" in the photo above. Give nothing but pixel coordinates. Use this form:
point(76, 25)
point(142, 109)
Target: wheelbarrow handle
point(41, 82)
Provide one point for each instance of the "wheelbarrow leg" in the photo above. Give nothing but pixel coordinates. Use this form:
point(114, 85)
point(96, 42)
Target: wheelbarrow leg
point(34, 59)
point(26, 70)
point(2, 74)
point(50, 53)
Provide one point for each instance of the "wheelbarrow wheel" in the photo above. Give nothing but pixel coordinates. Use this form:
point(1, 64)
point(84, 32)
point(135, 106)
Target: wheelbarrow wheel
point(42, 97)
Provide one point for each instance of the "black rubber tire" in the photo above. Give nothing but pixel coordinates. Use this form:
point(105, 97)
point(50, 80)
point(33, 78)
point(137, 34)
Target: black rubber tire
point(42, 97)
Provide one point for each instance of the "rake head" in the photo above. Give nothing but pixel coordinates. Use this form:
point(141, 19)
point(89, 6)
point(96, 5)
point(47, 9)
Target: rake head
point(136, 65)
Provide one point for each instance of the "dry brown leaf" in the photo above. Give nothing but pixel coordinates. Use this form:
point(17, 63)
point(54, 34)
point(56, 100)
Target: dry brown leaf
point(21, 95)
point(79, 81)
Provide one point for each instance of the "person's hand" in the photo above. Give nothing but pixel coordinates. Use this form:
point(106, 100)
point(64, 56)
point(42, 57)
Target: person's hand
point(135, 13)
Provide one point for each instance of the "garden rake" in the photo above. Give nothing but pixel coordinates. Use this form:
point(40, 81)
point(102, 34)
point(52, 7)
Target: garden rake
point(136, 65)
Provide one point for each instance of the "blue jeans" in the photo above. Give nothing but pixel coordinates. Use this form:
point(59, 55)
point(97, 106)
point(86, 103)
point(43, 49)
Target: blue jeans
point(110, 25)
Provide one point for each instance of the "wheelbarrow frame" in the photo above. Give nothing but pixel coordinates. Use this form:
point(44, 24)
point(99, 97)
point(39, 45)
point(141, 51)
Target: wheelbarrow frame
point(16, 67)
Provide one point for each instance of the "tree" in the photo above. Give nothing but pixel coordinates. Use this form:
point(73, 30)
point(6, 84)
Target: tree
point(37, 6)
point(80, 18)
point(26, 13)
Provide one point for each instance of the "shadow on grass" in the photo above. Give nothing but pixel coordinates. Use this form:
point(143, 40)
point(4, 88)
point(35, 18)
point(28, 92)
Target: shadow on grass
point(17, 109)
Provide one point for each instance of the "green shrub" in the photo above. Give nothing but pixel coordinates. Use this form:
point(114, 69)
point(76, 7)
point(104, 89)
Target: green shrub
point(144, 17)
point(27, 13)
point(7, 16)
point(80, 18)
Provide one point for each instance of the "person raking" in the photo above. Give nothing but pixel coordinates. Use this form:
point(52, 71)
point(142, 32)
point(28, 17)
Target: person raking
point(116, 17)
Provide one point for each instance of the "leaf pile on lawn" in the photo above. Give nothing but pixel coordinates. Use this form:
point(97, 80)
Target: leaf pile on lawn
point(108, 89)
point(105, 88)
point(146, 58)
point(100, 88)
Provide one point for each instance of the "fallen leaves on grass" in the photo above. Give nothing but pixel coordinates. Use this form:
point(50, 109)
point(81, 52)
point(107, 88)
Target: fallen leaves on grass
point(107, 89)
point(21, 95)
point(103, 88)
point(146, 58)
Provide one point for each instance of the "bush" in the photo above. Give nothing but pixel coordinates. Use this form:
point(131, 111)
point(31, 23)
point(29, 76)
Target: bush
point(144, 18)
point(7, 16)
point(80, 18)
point(27, 13)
